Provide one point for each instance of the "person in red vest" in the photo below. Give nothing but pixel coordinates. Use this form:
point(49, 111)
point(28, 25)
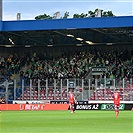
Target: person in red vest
point(71, 101)
point(116, 97)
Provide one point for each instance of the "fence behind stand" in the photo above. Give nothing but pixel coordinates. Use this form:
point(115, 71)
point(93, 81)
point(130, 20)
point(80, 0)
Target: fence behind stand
point(57, 89)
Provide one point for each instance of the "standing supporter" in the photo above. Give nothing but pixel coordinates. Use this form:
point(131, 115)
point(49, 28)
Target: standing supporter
point(2, 101)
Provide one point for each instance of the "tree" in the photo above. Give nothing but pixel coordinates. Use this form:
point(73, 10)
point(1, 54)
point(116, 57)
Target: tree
point(103, 14)
point(44, 16)
point(107, 14)
point(76, 15)
point(91, 14)
point(66, 14)
point(82, 15)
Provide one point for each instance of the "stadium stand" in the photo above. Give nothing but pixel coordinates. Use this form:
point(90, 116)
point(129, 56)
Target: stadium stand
point(77, 65)
point(43, 69)
point(119, 65)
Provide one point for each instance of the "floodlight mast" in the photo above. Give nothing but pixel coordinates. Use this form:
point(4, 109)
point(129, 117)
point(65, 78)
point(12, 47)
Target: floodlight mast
point(18, 16)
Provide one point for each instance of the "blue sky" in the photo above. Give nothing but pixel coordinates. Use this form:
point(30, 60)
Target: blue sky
point(31, 8)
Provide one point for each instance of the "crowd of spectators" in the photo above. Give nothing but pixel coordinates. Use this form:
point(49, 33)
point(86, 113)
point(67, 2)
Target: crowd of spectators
point(77, 65)
point(119, 65)
point(11, 64)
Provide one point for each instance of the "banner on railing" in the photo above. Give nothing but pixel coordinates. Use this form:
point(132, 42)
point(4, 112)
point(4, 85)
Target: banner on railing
point(96, 106)
point(88, 107)
point(34, 106)
point(110, 106)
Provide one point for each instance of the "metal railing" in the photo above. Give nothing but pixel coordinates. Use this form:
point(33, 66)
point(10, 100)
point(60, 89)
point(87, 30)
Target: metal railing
point(57, 89)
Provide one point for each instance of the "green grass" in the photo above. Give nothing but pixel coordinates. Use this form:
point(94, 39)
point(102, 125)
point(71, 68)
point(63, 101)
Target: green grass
point(65, 122)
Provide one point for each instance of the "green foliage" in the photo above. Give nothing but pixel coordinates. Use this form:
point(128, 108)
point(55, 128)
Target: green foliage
point(66, 14)
point(82, 15)
point(44, 16)
point(107, 14)
point(76, 15)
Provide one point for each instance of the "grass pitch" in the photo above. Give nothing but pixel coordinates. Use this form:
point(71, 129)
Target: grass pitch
point(65, 122)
